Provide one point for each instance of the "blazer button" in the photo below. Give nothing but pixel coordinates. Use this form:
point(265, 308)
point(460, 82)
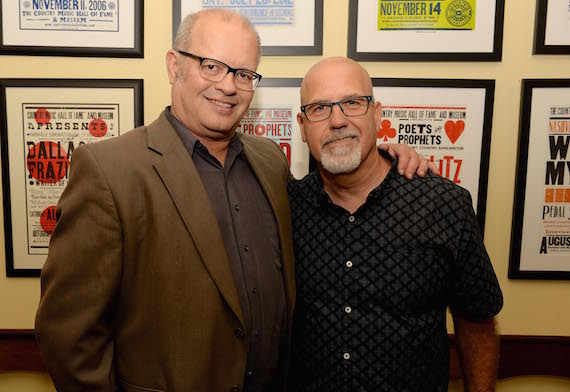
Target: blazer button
point(239, 333)
point(235, 388)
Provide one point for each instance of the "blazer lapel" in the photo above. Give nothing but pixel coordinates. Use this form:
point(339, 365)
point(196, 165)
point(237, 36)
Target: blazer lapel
point(183, 182)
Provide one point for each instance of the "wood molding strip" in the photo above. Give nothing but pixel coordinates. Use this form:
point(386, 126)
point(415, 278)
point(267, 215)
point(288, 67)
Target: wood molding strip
point(523, 355)
point(520, 355)
point(19, 351)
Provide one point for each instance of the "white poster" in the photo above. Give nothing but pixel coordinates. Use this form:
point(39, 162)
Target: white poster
point(545, 241)
point(44, 125)
point(273, 114)
point(444, 125)
point(557, 23)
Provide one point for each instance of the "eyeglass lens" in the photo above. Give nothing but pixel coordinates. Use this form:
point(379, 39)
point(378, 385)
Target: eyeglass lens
point(216, 71)
point(356, 106)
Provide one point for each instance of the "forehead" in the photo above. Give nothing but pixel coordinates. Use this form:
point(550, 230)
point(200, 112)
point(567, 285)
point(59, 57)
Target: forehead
point(336, 80)
point(227, 40)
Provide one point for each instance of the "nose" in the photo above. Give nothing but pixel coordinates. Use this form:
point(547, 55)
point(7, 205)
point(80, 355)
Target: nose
point(227, 84)
point(337, 118)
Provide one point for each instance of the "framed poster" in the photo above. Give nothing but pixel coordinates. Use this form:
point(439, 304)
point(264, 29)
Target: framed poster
point(93, 28)
point(286, 27)
point(273, 114)
point(42, 122)
point(552, 27)
point(540, 237)
point(438, 30)
point(446, 120)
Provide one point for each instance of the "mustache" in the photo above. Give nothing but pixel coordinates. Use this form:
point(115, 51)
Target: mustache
point(342, 134)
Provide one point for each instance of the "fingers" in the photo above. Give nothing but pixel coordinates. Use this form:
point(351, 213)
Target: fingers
point(390, 148)
point(423, 168)
point(433, 168)
point(413, 164)
point(402, 152)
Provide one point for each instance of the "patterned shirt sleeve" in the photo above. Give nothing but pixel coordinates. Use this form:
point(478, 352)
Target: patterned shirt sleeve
point(475, 292)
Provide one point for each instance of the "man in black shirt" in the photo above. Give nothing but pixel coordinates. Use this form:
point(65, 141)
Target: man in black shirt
point(380, 258)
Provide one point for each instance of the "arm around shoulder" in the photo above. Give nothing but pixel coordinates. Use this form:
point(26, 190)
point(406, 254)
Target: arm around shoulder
point(80, 282)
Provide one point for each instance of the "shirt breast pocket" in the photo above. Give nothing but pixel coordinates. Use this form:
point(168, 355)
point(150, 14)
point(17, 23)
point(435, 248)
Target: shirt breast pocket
point(415, 278)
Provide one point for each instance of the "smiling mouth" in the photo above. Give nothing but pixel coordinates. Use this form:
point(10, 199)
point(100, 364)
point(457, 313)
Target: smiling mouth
point(221, 104)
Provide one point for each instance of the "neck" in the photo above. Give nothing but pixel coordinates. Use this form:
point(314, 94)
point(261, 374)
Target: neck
point(217, 143)
point(217, 148)
point(350, 190)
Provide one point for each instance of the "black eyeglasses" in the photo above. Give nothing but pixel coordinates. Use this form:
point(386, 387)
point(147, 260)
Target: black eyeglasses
point(352, 106)
point(216, 71)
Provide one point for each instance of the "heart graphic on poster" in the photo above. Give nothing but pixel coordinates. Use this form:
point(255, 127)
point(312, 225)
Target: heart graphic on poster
point(454, 130)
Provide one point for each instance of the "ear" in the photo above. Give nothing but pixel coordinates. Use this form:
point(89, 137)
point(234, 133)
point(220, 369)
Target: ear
point(172, 65)
point(301, 122)
point(378, 115)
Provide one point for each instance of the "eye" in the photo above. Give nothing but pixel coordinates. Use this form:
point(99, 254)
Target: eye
point(351, 102)
point(244, 76)
point(318, 108)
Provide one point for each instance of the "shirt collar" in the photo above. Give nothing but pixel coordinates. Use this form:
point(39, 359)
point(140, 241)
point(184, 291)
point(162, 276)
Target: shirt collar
point(190, 140)
point(315, 190)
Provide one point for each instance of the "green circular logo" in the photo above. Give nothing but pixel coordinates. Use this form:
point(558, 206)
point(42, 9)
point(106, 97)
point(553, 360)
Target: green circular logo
point(459, 13)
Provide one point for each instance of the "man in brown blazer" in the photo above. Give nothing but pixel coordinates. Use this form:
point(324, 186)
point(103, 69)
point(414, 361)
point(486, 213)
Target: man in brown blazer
point(171, 265)
point(146, 287)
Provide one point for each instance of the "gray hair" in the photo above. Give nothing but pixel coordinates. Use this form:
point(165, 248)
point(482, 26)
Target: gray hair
point(184, 35)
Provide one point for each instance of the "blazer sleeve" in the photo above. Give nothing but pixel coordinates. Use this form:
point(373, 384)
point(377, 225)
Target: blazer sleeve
point(80, 282)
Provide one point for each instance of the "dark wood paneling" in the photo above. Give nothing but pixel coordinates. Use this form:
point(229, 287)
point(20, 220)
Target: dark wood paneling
point(525, 355)
point(19, 351)
point(520, 355)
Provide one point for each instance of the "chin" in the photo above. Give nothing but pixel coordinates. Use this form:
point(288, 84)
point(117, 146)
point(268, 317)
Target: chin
point(341, 164)
point(222, 126)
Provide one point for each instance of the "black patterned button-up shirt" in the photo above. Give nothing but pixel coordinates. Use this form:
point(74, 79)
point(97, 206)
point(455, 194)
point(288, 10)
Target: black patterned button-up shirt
point(373, 286)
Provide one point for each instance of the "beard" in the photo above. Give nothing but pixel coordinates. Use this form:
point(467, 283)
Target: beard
point(341, 159)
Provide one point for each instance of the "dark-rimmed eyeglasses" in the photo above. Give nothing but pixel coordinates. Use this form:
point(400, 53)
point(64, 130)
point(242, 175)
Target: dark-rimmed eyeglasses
point(216, 71)
point(352, 106)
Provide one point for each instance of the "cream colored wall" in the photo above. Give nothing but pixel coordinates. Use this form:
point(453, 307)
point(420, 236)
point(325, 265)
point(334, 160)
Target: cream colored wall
point(531, 307)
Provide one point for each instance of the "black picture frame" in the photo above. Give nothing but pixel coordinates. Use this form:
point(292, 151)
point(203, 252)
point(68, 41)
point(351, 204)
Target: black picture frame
point(137, 51)
point(12, 270)
point(495, 55)
point(540, 47)
point(528, 87)
point(489, 86)
point(283, 50)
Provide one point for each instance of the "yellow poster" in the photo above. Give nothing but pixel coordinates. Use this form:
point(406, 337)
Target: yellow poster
point(426, 15)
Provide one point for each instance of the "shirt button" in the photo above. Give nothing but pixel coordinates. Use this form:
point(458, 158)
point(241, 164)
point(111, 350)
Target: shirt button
point(258, 332)
point(349, 264)
point(239, 333)
point(346, 356)
point(246, 248)
point(254, 290)
point(236, 207)
point(250, 373)
point(348, 309)
point(235, 388)
point(351, 219)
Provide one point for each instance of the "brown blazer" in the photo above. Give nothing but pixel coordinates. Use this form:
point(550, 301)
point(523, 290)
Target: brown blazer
point(137, 291)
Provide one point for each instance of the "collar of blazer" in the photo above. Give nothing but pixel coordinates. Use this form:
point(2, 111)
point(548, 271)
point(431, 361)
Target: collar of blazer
point(180, 177)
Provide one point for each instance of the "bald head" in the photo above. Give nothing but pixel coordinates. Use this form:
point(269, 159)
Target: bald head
point(184, 34)
point(334, 70)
